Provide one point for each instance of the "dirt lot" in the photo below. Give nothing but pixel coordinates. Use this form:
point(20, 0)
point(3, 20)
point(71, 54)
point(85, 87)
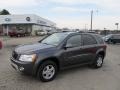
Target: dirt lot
point(82, 78)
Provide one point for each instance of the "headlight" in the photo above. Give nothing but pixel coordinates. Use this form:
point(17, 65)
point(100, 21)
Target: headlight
point(28, 58)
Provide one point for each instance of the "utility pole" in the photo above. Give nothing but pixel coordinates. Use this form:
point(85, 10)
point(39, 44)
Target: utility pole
point(117, 25)
point(105, 32)
point(85, 27)
point(91, 25)
point(7, 30)
point(91, 20)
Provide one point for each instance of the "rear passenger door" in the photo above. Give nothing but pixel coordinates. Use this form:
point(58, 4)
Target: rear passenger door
point(89, 48)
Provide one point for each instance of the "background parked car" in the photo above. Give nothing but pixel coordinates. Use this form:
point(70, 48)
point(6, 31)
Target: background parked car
point(112, 38)
point(0, 44)
point(19, 33)
point(49, 32)
point(41, 32)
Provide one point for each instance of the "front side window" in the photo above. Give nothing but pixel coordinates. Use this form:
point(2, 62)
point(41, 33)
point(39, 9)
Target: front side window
point(74, 41)
point(88, 40)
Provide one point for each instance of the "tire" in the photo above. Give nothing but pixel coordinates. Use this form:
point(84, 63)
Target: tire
point(98, 61)
point(114, 42)
point(11, 36)
point(109, 41)
point(18, 35)
point(45, 74)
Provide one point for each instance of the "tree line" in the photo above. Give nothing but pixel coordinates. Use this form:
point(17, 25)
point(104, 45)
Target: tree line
point(4, 12)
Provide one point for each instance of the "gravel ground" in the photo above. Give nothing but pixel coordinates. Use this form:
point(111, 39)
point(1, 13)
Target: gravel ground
point(82, 78)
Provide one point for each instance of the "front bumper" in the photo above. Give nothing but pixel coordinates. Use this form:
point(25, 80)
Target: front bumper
point(24, 67)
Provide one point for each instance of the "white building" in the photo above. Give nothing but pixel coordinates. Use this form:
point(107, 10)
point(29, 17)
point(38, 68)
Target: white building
point(28, 22)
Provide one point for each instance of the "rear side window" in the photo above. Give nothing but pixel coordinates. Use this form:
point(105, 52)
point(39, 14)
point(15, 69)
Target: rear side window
point(88, 40)
point(74, 41)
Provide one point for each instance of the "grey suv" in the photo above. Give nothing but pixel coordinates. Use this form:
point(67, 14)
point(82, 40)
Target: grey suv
point(59, 51)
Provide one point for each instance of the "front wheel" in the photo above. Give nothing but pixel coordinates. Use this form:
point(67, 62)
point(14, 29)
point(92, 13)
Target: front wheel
point(98, 62)
point(47, 71)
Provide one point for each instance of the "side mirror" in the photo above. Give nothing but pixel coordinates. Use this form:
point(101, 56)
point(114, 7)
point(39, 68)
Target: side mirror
point(68, 46)
point(39, 41)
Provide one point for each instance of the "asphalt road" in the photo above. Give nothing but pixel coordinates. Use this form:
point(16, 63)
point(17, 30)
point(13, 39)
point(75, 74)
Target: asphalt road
point(82, 78)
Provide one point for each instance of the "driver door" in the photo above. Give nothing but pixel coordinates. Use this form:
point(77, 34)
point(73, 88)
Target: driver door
point(73, 53)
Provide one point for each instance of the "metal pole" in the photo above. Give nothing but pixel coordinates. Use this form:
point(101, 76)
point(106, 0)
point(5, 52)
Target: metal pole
point(117, 27)
point(7, 30)
point(85, 27)
point(91, 19)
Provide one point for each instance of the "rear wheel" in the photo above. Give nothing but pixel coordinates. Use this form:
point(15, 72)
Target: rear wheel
point(18, 35)
point(47, 71)
point(114, 42)
point(98, 61)
point(109, 42)
point(11, 36)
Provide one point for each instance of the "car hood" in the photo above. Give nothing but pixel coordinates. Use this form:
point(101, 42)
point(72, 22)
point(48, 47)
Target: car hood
point(31, 48)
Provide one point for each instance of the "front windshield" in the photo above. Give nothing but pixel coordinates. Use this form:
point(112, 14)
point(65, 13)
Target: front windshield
point(54, 39)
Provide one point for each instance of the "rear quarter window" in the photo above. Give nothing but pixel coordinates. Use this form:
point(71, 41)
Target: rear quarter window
point(99, 39)
point(88, 39)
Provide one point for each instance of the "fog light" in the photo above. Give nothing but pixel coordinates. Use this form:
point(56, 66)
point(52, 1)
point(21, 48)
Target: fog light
point(21, 68)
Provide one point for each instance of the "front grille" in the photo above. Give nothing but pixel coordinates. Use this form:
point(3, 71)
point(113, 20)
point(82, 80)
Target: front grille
point(15, 55)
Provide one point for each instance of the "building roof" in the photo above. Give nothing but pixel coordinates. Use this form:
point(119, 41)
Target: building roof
point(25, 19)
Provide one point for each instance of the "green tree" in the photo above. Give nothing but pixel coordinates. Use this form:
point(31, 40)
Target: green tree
point(4, 12)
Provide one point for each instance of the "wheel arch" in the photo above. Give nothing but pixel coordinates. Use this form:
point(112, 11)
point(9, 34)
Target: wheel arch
point(54, 59)
point(101, 52)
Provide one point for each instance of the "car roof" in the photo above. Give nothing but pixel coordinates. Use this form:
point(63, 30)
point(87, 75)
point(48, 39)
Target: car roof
point(68, 33)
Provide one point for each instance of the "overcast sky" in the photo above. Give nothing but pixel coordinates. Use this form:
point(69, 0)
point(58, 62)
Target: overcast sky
point(69, 13)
